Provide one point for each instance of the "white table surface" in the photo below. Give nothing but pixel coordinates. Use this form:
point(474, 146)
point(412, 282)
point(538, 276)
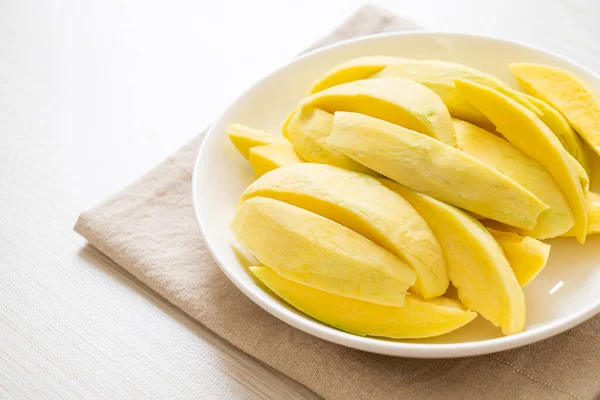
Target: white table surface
point(92, 95)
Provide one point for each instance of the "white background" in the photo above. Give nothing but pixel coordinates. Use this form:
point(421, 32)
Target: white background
point(92, 95)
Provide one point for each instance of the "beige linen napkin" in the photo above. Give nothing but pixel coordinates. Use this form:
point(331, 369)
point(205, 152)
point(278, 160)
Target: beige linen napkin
point(149, 229)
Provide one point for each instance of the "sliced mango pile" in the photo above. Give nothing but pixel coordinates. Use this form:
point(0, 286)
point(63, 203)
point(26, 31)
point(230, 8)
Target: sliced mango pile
point(408, 196)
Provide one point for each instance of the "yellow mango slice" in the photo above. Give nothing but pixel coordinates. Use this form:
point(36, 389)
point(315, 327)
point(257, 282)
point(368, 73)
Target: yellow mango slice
point(439, 76)
point(503, 156)
point(361, 203)
point(593, 206)
point(418, 318)
point(593, 203)
point(396, 100)
point(564, 132)
point(565, 92)
point(477, 265)
point(317, 252)
point(308, 130)
point(526, 255)
point(529, 134)
point(431, 167)
point(353, 70)
point(584, 178)
point(268, 157)
point(244, 138)
point(286, 122)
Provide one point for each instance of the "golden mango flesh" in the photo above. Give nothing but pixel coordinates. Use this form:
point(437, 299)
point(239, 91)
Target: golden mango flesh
point(477, 265)
point(268, 157)
point(564, 132)
point(317, 252)
point(529, 134)
point(503, 156)
point(431, 167)
point(418, 318)
point(566, 93)
point(308, 130)
point(353, 70)
point(526, 255)
point(244, 138)
point(364, 215)
point(592, 201)
point(439, 76)
point(397, 100)
point(361, 203)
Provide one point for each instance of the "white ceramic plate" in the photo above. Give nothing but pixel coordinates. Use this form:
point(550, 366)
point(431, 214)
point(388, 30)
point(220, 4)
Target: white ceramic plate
point(566, 293)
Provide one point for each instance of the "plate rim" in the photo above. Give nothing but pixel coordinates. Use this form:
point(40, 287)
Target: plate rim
point(374, 344)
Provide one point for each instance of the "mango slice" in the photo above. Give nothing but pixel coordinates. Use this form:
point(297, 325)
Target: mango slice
point(593, 203)
point(477, 265)
point(396, 100)
point(503, 156)
point(308, 130)
point(417, 319)
point(439, 76)
point(317, 252)
point(564, 132)
point(526, 255)
point(529, 134)
point(353, 70)
point(584, 178)
point(565, 92)
point(268, 157)
point(244, 138)
point(431, 167)
point(363, 204)
point(286, 122)
point(593, 206)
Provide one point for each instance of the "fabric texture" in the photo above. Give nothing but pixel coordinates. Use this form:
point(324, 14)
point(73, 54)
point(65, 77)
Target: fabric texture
point(150, 230)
